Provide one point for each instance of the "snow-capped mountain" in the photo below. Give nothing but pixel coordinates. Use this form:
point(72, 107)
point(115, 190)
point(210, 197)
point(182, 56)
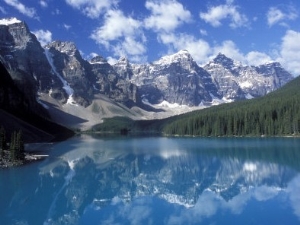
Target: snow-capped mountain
point(57, 74)
point(237, 81)
point(176, 79)
point(24, 58)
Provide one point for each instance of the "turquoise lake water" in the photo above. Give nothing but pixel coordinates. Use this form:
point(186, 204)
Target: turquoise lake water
point(156, 180)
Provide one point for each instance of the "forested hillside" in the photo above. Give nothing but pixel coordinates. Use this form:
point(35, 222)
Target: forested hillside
point(277, 113)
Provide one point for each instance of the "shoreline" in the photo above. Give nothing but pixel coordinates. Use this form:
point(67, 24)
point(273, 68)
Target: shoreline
point(6, 162)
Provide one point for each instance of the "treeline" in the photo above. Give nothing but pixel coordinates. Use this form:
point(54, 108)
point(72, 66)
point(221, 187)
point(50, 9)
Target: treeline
point(275, 114)
point(124, 125)
point(15, 148)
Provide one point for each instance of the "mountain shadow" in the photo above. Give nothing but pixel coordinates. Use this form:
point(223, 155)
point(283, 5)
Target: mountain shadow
point(16, 114)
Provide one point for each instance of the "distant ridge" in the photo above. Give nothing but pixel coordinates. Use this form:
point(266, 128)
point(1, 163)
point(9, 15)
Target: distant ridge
point(276, 114)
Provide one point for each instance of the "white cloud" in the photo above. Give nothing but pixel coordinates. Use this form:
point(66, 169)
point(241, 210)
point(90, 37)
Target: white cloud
point(202, 51)
point(56, 12)
point(166, 15)
point(111, 60)
point(43, 36)
point(30, 12)
point(43, 3)
point(293, 190)
point(131, 46)
point(276, 15)
point(198, 48)
point(229, 49)
point(216, 14)
point(121, 34)
point(116, 25)
point(289, 52)
point(264, 193)
point(256, 58)
point(203, 32)
point(92, 8)
point(66, 26)
point(92, 55)
point(2, 10)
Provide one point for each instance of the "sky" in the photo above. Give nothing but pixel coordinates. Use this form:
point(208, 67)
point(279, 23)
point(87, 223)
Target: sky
point(250, 31)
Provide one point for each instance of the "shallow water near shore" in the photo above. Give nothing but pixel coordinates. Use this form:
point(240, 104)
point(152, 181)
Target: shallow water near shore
point(156, 180)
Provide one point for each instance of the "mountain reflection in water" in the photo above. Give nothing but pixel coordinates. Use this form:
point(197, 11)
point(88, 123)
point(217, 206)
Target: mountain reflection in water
point(158, 180)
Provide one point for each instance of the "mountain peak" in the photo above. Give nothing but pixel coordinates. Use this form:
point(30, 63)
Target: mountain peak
point(98, 60)
point(222, 59)
point(226, 62)
point(181, 53)
point(123, 60)
point(9, 21)
point(181, 56)
point(64, 46)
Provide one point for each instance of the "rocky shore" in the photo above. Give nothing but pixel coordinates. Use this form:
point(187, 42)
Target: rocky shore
point(6, 162)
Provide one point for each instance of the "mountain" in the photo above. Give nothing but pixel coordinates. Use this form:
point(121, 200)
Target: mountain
point(84, 92)
point(24, 59)
point(277, 113)
point(236, 81)
point(18, 111)
point(176, 79)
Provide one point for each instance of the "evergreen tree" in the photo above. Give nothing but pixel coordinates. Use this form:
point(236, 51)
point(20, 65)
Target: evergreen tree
point(12, 146)
point(20, 145)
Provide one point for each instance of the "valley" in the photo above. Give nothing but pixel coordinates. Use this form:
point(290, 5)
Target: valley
point(61, 85)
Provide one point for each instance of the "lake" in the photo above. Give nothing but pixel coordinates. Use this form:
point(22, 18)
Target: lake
point(156, 180)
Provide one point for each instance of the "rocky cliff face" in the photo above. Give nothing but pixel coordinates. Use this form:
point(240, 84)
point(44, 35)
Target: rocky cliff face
point(236, 81)
point(176, 79)
point(82, 79)
point(22, 52)
point(25, 59)
point(73, 72)
point(114, 81)
point(59, 71)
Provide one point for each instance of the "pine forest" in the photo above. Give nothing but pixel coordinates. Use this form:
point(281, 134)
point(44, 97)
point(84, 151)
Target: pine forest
point(277, 113)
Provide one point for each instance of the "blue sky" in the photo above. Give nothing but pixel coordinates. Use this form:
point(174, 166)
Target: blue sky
point(250, 31)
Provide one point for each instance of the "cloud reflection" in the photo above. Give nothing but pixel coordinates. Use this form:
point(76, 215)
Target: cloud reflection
point(293, 190)
point(142, 182)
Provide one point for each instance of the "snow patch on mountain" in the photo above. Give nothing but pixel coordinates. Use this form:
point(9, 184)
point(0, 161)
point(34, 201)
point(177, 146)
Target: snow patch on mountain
point(248, 96)
point(218, 101)
point(166, 105)
point(246, 84)
point(66, 86)
point(169, 59)
point(177, 199)
point(9, 21)
point(169, 105)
